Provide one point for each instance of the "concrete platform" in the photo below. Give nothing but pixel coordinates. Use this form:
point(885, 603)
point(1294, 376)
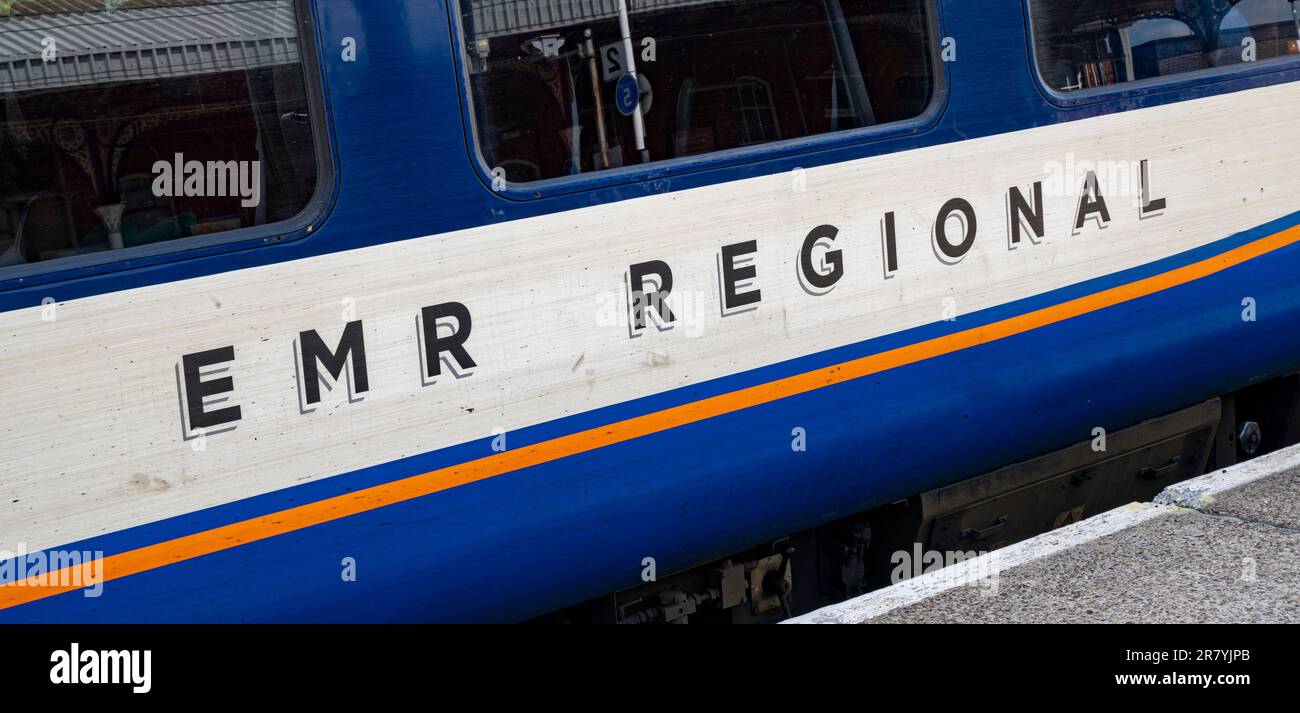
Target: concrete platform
point(1224, 547)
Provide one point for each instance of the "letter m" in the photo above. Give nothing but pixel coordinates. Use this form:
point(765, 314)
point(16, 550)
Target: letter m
point(315, 354)
point(223, 178)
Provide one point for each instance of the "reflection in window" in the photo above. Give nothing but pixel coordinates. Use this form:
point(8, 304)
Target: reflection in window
point(1084, 44)
point(714, 75)
point(1273, 26)
point(144, 121)
point(755, 116)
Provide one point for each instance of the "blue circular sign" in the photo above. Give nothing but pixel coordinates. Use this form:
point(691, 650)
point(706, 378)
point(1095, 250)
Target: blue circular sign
point(627, 95)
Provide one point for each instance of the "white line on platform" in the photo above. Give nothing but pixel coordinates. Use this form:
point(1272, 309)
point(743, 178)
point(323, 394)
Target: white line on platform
point(1199, 492)
point(969, 572)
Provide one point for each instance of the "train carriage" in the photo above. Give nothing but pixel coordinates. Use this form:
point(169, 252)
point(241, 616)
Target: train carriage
point(619, 310)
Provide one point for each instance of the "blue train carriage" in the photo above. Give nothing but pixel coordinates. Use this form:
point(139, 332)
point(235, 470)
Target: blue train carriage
point(619, 310)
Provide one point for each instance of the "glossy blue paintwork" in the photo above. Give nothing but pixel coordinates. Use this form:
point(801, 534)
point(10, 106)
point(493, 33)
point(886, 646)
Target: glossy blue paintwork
point(521, 544)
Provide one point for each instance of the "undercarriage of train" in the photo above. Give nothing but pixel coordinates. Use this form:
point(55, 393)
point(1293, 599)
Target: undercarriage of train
point(814, 568)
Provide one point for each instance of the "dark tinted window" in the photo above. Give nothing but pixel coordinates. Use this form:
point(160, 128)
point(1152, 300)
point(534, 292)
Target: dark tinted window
point(1085, 44)
point(133, 122)
point(715, 74)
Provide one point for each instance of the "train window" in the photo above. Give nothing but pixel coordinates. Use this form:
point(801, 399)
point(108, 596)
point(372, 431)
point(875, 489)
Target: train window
point(1086, 44)
point(545, 76)
point(127, 123)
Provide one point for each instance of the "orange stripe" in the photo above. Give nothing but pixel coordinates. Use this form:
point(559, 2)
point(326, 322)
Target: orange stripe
point(340, 506)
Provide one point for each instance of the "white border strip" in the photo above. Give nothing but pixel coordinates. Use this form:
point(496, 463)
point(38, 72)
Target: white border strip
point(1199, 492)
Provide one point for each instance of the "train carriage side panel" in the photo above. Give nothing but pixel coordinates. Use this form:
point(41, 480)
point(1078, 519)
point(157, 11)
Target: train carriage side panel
point(537, 461)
